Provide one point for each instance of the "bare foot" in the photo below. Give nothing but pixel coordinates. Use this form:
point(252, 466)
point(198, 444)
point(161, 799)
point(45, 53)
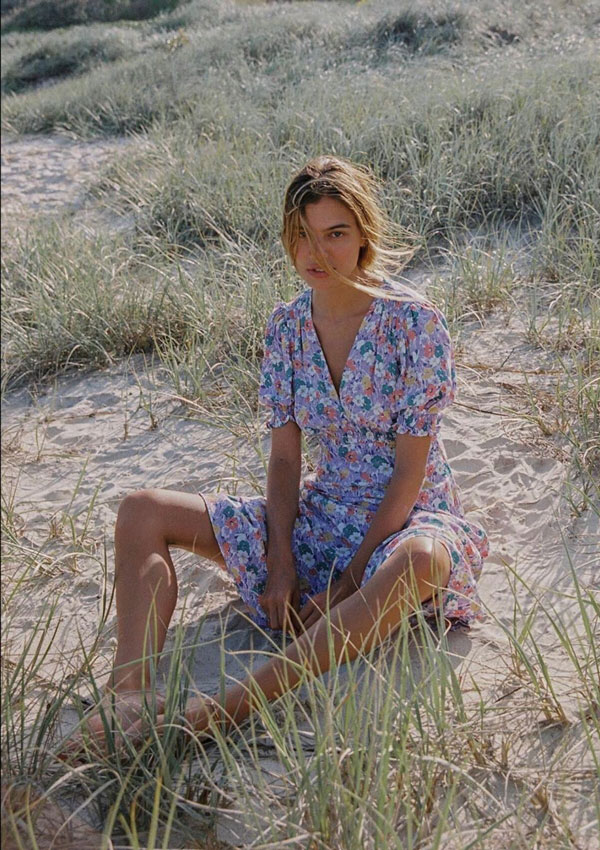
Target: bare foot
point(116, 713)
point(199, 715)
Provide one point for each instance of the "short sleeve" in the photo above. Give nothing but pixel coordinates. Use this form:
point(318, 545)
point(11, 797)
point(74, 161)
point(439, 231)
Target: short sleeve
point(275, 390)
point(427, 378)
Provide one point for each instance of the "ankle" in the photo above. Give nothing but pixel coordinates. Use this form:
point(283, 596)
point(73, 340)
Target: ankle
point(122, 688)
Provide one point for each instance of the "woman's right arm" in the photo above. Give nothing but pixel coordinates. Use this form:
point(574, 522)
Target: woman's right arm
point(283, 484)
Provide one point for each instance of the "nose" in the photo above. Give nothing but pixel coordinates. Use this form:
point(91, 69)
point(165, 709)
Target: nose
point(316, 249)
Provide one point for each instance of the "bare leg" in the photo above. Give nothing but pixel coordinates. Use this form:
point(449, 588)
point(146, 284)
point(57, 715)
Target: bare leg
point(148, 522)
point(410, 576)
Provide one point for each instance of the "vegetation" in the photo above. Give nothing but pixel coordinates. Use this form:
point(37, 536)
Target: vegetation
point(48, 15)
point(34, 61)
point(393, 751)
point(482, 122)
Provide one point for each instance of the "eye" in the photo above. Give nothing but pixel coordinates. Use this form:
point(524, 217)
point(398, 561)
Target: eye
point(335, 234)
point(301, 234)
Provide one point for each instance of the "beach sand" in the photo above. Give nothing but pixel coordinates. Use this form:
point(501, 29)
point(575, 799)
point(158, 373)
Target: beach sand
point(72, 450)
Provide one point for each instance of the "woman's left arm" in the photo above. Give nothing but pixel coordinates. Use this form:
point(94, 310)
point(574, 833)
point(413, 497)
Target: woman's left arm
point(393, 511)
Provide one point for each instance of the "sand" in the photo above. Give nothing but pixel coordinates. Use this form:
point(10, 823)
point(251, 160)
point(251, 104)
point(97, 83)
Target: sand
point(74, 449)
point(50, 175)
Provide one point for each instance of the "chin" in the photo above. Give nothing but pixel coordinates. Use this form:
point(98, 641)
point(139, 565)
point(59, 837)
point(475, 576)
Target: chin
point(318, 283)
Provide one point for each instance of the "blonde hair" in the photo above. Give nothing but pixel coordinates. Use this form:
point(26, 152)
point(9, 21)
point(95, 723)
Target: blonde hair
point(357, 188)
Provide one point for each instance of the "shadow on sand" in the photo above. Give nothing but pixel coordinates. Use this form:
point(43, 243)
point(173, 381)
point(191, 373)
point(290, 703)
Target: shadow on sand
point(226, 645)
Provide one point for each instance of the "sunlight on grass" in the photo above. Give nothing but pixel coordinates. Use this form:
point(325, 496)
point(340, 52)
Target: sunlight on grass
point(482, 122)
point(452, 743)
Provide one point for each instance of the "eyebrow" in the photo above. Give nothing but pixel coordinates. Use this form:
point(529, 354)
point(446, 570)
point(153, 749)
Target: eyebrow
point(335, 227)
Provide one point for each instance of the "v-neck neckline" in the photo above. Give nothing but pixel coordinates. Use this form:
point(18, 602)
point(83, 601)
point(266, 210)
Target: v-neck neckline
point(338, 392)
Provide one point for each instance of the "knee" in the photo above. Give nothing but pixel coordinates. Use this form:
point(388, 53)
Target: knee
point(428, 562)
point(137, 510)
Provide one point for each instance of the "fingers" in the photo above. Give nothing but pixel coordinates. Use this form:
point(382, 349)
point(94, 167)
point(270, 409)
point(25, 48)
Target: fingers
point(280, 612)
point(274, 611)
point(268, 606)
point(287, 616)
point(313, 610)
point(293, 622)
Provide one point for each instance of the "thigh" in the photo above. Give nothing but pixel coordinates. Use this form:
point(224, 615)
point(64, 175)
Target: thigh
point(180, 519)
point(409, 576)
point(459, 599)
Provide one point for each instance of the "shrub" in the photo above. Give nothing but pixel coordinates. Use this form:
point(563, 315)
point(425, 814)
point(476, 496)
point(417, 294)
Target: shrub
point(53, 59)
point(418, 32)
point(48, 14)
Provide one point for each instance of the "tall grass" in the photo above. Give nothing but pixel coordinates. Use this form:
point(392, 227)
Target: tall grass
point(396, 750)
point(474, 152)
point(482, 124)
point(46, 15)
point(458, 154)
point(323, 45)
point(30, 60)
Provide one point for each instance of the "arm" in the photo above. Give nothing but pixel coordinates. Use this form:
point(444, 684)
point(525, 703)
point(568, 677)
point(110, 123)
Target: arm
point(393, 511)
point(283, 483)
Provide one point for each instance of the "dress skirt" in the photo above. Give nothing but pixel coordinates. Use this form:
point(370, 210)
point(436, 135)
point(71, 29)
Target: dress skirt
point(325, 537)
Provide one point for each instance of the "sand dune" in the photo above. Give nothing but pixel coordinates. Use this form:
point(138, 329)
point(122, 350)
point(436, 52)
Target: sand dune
point(74, 449)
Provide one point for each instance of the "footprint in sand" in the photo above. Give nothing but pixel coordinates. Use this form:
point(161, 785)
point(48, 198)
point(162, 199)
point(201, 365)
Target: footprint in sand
point(51, 174)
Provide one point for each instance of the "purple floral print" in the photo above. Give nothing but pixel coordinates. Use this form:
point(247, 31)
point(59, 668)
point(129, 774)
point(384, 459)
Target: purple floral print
point(398, 378)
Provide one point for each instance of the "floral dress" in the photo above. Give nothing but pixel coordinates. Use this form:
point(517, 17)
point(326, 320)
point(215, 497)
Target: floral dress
point(398, 378)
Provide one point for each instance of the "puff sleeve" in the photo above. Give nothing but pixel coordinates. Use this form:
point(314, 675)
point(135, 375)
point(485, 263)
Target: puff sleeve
point(275, 390)
point(427, 377)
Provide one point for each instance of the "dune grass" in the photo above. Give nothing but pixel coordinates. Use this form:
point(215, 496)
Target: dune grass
point(46, 15)
point(482, 124)
point(29, 59)
point(394, 751)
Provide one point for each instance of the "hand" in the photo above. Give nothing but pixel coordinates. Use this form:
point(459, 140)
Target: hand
point(318, 605)
point(282, 594)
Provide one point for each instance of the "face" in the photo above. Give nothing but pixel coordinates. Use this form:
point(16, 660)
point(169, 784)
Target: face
point(337, 236)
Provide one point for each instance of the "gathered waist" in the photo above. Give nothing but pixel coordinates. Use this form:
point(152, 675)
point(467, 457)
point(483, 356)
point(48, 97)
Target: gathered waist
point(364, 498)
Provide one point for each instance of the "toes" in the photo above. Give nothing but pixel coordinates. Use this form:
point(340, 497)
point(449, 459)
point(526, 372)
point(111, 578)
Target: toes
point(117, 721)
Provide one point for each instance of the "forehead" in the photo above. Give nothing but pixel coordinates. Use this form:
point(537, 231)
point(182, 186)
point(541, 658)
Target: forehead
point(328, 212)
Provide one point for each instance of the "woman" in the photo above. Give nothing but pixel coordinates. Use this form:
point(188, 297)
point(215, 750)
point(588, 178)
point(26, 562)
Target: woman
point(377, 531)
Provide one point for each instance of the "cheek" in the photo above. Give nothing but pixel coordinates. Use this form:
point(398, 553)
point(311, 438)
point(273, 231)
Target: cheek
point(349, 252)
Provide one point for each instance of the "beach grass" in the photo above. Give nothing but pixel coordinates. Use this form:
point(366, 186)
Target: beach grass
point(18, 15)
point(394, 750)
point(482, 124)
